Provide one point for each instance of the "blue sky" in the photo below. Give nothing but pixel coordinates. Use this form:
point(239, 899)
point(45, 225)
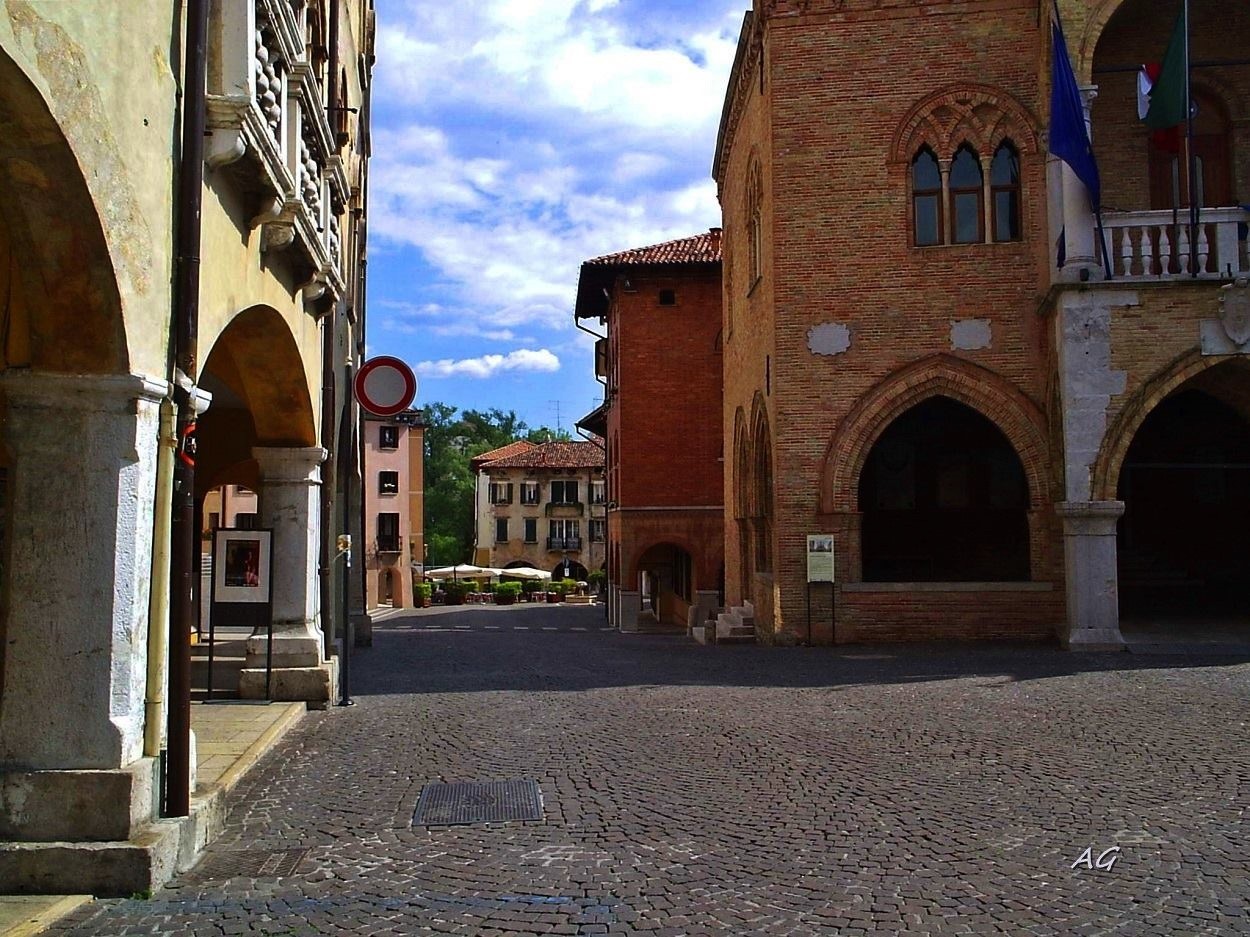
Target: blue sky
point(514, 139)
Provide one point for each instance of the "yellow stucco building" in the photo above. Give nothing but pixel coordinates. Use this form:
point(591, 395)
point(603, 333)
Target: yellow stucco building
point(95, 103)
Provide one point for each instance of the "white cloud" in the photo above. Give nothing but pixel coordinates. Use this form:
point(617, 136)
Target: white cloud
point(523, 359)
point(514, 139)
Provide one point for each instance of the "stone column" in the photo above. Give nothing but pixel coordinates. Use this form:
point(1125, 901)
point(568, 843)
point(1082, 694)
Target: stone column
point(289, 505)
point(1089, 541)
point(1078, 217)
point(81, 488)
point(79, 524)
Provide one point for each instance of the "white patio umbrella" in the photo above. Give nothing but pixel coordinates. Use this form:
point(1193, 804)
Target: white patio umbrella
point(524, 572)
point(463, 571)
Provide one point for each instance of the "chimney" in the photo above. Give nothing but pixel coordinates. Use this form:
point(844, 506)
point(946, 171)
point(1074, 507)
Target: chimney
point(715, 239)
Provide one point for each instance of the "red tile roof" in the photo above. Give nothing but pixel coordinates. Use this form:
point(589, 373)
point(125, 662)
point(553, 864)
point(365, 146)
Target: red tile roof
point(503, 452)
point(554, 455)
point(703, 248)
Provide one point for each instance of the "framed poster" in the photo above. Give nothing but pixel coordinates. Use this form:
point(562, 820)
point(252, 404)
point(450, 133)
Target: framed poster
point(241, 566)
point(820, 558)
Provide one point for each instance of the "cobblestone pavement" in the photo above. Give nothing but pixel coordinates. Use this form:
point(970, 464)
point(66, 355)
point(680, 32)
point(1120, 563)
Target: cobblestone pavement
point(737, 790)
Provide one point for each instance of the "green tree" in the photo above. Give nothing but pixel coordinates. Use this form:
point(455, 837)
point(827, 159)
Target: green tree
point(452, 439)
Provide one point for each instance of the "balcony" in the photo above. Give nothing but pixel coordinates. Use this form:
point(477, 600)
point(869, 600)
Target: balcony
point(264, 103)
point(1155, 245)
point(561, 544)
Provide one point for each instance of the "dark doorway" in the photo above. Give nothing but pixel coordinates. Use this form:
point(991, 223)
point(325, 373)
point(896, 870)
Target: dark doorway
point(1185, 535)
point(944, 499)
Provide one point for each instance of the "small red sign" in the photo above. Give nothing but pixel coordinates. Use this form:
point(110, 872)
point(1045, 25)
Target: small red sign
point(385, 386)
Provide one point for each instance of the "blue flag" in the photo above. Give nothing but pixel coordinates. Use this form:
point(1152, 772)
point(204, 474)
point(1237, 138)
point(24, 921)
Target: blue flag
point(1069, 139)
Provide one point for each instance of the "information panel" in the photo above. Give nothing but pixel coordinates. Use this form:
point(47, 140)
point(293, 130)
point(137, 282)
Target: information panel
point(820, 558)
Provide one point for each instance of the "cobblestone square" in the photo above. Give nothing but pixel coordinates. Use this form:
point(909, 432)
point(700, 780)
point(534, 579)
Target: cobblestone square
point(736, 790)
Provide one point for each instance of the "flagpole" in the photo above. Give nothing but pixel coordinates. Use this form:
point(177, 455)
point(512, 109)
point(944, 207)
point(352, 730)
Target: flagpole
point(1191, 157)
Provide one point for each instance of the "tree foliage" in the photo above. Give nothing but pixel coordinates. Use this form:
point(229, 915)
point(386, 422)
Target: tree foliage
point(452, 439)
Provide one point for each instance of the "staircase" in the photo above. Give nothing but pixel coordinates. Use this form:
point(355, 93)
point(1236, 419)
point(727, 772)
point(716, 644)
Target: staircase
point(736, 625)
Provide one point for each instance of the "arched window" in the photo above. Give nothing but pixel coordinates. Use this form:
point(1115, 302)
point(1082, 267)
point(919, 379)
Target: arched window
point(967, 192)
point(944, 499)
point(926, 188)
point(1005, 193)
point(755, 223)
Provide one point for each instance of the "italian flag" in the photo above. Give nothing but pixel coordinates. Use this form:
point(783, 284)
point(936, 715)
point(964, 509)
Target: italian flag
point(1169, 91)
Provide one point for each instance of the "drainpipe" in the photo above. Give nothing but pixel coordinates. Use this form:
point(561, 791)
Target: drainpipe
point(158, 597)
point(186, 313)
point(326, 559)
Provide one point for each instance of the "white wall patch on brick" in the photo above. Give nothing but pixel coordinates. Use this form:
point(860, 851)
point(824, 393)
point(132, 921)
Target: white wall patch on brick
point(970, 334)
point(828, 338)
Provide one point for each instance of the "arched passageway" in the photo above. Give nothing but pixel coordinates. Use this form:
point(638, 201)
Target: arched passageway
point(1185, 482)
point(666, 583)
point(944, 499)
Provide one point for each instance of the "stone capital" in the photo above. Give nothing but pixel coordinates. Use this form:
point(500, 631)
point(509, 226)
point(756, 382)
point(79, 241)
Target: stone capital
point(281, 465)
point(99, 393)
point(1089, 518)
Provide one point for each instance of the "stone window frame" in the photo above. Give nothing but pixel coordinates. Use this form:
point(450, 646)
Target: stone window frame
point(981, 117)
point(755, 224)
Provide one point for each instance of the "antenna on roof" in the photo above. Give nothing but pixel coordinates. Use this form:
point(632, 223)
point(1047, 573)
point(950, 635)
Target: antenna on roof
point(556, 403)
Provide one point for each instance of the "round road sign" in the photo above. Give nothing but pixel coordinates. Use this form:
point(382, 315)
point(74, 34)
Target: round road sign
point(385, 386)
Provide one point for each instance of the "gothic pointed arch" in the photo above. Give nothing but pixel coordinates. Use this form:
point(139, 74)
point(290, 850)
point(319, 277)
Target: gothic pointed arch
point(994, 397)
point(980, 116)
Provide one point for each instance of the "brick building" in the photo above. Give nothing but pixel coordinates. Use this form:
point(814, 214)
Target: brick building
point(661, 363)
point(394, 507)
point(1003, 446)
point(541, 505)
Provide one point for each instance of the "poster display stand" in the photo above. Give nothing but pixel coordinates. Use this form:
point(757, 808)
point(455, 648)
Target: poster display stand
point(242, 590)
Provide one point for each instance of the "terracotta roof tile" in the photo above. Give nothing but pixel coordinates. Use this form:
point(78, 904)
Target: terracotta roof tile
point(701, 249)
point(503, 452)
point(554, 455)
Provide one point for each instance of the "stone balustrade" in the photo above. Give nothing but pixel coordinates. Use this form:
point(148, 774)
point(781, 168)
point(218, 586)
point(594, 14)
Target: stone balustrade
point(265, 102)
point(1155, 245)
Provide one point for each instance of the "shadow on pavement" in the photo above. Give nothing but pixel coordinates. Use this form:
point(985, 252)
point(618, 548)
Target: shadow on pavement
point(484, 649)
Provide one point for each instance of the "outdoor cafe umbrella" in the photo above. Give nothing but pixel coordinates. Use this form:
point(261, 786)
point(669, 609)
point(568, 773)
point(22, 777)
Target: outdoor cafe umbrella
point(524, 572)
point(463, 571)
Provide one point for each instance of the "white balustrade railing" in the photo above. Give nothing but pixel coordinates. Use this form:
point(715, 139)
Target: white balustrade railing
point(1155, 245)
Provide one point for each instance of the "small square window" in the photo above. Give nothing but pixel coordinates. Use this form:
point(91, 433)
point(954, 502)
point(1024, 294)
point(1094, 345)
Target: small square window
point(388, 483)
point(668, 297)
point(388, 437)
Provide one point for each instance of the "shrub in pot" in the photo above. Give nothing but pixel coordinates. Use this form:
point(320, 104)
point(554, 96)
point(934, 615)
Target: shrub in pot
point(421, 594)
point(529, 587)
point(455, 592)
point(506, 593)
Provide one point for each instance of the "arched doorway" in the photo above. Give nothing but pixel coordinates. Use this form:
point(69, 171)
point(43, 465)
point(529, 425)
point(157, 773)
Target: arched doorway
point(569, 569)
point(386, 587)
point(944, 498)
point(1185, 483)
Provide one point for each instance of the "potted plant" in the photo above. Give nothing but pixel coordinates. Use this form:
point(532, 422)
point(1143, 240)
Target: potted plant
point(506, 593)
point(455, 592)
point(421, 594)
point(597, 580)
point(556, 591)
point(529, 588)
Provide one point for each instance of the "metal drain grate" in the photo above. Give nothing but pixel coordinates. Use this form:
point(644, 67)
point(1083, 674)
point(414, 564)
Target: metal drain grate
point(251, 863)
point(478, 802)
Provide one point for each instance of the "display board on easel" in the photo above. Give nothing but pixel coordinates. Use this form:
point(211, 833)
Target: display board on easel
point(242, 590)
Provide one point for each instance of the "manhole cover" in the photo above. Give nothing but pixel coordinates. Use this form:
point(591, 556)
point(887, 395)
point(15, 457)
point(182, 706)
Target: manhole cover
point(251, 863)
point(478, 802)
